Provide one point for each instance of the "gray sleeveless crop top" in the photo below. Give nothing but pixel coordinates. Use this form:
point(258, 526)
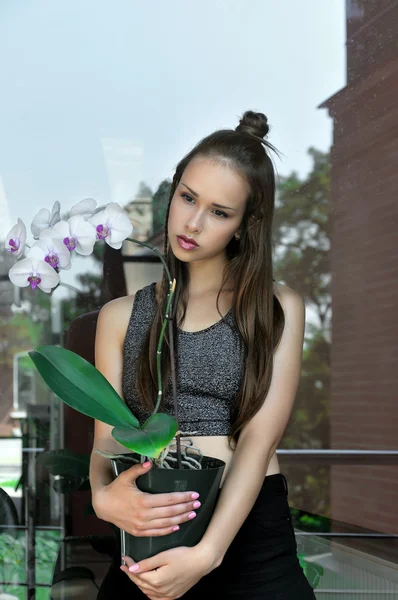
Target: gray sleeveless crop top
point(210, 370)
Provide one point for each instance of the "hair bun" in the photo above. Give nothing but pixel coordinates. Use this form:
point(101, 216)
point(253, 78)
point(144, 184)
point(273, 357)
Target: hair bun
point(253, 123)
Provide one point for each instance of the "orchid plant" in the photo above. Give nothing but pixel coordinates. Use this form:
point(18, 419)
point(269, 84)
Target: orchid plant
point(57, 239)
point(74, 380)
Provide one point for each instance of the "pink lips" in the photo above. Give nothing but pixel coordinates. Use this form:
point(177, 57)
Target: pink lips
point(186, 243)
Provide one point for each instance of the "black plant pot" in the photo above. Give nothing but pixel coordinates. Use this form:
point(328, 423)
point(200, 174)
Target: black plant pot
point(205, 481)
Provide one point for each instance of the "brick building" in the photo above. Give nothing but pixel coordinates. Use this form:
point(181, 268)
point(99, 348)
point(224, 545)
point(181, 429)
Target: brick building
point(364, 209)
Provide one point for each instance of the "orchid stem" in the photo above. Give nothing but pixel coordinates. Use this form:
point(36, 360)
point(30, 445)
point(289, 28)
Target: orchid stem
point(171, 346)
point(70, 287)
point(174, 388)
point(156, 252)
point(159, 348)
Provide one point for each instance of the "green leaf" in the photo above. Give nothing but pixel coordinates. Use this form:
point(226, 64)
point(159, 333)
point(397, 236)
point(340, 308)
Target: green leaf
point(80, 385)
point(312, 571)
point(65, 462)
point(68, 484)
point(136, 440)
point(156, 433)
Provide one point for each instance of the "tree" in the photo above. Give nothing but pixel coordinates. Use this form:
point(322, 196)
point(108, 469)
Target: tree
point(302, 233)
point(143, 195)
point(144, 191)
point(159, 205)
point(301, 246)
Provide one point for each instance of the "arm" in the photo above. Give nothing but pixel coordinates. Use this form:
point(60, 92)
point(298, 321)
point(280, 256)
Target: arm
point(119, 501)
point(111, 327)
point(260, 437)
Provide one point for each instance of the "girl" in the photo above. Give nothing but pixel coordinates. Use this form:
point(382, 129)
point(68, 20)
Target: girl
point(237, 379)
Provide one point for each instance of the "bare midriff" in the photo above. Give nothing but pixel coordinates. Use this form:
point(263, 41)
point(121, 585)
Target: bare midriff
point(210, 445)
point(218, 447)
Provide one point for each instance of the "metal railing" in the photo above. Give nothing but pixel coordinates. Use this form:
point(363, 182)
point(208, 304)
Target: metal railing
point(342, 457)
point(347, 457)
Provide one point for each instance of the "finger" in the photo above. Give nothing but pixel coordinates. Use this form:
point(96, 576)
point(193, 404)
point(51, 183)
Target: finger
point(160, 527)
point(148, 578)
point(147, 564)
point(168, 522)
point(170, 512)
point(138, 571)
point(136, 470)
point(140, 532)
point(128, 560)
point(169, 499)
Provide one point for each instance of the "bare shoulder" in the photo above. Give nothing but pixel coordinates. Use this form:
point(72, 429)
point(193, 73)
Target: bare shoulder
point(114, 316)
point(292, 302)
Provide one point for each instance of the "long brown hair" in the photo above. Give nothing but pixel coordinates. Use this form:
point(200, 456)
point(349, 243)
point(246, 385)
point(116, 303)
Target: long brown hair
point(257, 312)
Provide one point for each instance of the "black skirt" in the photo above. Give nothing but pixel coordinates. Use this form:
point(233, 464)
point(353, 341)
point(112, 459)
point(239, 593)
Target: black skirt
point(260, 563)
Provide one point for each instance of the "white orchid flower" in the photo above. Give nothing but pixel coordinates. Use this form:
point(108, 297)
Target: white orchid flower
point(112, 225)
point(85, 208)
point(16, 239)
point(76, 233)
point(44, 219)
point(34, 272)
point(52, 251)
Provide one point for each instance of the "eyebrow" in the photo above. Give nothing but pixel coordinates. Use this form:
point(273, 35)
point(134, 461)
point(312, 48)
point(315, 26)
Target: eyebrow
point(213, 203)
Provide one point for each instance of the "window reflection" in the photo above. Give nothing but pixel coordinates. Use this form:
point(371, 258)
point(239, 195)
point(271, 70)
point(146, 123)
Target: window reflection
point(108, 116)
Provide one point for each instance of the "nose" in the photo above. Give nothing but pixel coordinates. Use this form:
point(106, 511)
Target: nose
point(194, 224)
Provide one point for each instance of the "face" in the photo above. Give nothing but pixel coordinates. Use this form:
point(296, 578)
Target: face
point(208, 205)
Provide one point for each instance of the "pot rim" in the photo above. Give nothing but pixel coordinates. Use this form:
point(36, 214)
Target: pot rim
point(218, 463)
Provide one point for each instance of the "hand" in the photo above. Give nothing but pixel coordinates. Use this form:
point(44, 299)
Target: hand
point(139, 513)
point(170, 574)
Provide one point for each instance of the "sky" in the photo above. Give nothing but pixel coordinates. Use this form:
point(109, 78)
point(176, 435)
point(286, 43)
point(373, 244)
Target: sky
point(97, 96)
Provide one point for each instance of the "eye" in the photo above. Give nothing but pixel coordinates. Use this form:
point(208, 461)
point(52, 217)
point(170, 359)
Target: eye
point(186, 197)
point(221, 214)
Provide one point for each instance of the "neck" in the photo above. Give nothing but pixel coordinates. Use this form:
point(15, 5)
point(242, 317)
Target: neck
point(206, 276)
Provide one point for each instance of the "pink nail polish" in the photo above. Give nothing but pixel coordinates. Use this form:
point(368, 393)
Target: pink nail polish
point(191, 515)
point(134, 568)
point(176, 528)
point(196, 504)
point(195, 495)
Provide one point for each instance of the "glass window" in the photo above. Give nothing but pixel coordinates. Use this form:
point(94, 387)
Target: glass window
point(101, 101)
